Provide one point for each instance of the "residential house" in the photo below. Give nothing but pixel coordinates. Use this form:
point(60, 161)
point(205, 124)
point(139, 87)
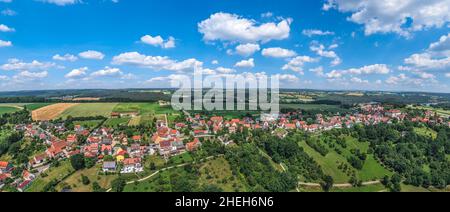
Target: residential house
point(5, 167)
point(109, 166)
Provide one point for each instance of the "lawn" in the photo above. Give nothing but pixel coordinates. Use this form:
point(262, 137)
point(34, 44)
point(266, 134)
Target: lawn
point(182, 158)
point(426, 132)
point(89, 109)
point(55, 173)
point(74, 181)
point(114, 122)
point(8, 109)
point(158, 183)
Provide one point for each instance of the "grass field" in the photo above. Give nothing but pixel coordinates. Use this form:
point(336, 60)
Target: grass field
point(88, 124)
point(55, 173)
point(143, 108)
point(8, 109)
point(35, 106)
point(426, 132)
point(89, 109)
point(218, 172)
point(135, 121)
point(51, 112)
point(114, 122)
point(372, 170)
point(329, 164)
point(439, 111)
point(314, 107)
point(74, 181)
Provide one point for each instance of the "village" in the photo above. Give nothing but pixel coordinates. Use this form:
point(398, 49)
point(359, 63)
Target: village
point(119, 153)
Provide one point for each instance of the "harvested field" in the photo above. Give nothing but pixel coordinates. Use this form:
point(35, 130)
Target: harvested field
point(50, 112)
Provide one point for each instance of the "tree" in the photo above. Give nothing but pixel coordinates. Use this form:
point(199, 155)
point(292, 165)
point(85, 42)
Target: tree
point(85, 180)
point(327, 183)
point(77, 162)
point(118, 184)
point(97, 188)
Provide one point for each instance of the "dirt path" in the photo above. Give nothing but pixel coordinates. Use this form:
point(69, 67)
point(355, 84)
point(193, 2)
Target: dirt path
point(342, 185)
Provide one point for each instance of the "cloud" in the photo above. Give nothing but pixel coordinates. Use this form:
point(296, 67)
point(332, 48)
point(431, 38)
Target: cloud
point(215, 62)
point(9, 12)
point(223, 70)
point(91, 54)
point(296, 64)
point(156, 62)
point(358, 80)
point(436, 57)
point(318, 71)
point(77, 73)
point(18, 65)
point(316, 32)
point(334, 74)
point(62, 2)
point(401, 16)
point(447, 75)
point(319, 49)
point(4, 28)
point(278, 52)
point(234, 28)
point(250, 63)
point(370, 69)
point(5, 43)
point(26, 75)
point(107, 72)
point(66, 57)
point(248, 49)
point(158, 41)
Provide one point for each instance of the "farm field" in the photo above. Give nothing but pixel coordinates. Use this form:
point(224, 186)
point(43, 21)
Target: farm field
point(51, 112)
point(55, 173)
point(35, 106)
point(88, 124)
point(7, 109)
point(114, 122)
point(314, 107)
point(89, 109)
point(142, 108)
point(439, 111)
point(135, 121)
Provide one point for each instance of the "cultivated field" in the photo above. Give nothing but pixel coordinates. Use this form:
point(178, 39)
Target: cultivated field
point(51, 112)
point(88, 110)
point(7, 109)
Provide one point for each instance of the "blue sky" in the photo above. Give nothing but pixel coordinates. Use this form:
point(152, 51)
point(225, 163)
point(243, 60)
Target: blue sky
point(323, 44)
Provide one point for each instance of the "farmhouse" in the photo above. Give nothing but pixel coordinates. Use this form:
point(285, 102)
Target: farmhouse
point(57, 149)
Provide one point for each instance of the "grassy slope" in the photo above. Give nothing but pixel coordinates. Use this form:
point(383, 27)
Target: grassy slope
point(329, 164)
point(93, 174)
point(113, 122)
point(218, 172)
point(57, 173)
point(89, 109)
